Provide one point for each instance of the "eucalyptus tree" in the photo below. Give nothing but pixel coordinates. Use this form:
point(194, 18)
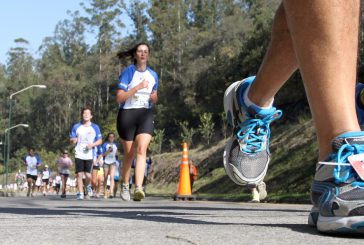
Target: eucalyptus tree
point(104, 18)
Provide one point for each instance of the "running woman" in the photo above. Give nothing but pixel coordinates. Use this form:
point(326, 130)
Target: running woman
point(110, 154)
point(137, 91)
point(46, 173)
point(86, 135)
point(64, 164)
point(98, 162)
point(116, 177)
point(32, 161)
point(58, 181)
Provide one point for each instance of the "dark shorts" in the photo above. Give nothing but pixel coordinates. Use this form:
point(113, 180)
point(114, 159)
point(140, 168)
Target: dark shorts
point(65, 175)
point(33, 177)
point(132, 122)
point(45, 181)
point(58, 185)
point(83, 165)
point(95, 167)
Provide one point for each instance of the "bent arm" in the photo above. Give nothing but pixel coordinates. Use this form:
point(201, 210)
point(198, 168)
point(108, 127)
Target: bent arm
point(154, 96)
point(73, 140)
point(122, 96)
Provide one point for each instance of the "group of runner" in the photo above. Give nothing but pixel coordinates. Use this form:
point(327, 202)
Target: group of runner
point(136, 93)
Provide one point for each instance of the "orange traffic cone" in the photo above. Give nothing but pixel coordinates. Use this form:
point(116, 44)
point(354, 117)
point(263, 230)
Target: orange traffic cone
point(184, 191)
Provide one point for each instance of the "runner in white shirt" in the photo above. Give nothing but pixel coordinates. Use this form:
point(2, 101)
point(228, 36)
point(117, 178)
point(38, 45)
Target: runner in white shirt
point(46, 173)
point(110, 153)
point(137, 92)
point(32, 161)
point(116, 177)
point(86, 136)
point(57, 182)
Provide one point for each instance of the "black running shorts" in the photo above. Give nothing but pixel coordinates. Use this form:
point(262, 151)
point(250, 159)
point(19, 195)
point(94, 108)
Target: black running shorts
point(33, 177)
point(132, 122)
point(83, 165)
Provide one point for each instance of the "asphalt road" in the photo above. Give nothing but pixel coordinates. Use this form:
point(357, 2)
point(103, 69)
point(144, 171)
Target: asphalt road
point(51, 220)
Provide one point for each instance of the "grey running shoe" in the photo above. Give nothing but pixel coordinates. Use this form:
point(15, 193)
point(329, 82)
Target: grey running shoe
point(337, 192)
point(246, 154)
point(125, 192)
point(138, 194)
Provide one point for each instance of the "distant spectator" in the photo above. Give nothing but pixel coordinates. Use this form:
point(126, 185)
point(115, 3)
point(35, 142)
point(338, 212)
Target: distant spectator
point(193, 172)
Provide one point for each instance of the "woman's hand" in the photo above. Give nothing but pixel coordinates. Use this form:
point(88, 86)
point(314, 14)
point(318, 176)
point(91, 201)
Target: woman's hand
point(143, 84)
point(154, 97)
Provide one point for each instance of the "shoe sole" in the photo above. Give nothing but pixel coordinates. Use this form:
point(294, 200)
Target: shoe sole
point(341, 225)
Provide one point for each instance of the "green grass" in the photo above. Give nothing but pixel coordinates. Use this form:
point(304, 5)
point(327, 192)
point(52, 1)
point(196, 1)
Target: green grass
point(290, 173)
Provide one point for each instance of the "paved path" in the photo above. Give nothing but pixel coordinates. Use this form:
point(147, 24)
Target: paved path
point(51, 220)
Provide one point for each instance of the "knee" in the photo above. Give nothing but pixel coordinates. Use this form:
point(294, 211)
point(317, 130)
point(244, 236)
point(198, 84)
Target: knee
point(141, 150)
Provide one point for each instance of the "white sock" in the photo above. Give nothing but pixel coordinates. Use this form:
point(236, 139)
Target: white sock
point(249, 103)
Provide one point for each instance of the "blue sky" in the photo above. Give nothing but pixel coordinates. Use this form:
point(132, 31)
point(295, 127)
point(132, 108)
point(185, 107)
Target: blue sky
point(32, 20)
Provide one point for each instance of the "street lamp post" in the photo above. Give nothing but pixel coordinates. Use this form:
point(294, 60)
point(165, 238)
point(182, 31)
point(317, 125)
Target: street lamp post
point(7, 133)
point(8, 149)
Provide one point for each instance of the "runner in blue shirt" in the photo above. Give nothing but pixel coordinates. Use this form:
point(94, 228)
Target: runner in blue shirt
point(137, 91)
point(86, 135)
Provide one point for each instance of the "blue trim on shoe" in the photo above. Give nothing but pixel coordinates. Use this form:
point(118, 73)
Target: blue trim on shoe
point(247, 82)
point(351, 134)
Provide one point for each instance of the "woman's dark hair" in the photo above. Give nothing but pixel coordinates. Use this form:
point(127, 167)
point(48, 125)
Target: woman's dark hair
point(131, 52)
point(108, 135)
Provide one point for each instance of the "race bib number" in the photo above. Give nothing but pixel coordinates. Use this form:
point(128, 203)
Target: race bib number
point(140, 100)
point(83, 148)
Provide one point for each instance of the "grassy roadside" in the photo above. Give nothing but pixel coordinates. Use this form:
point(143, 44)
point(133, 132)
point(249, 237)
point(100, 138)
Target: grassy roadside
point(294, 152)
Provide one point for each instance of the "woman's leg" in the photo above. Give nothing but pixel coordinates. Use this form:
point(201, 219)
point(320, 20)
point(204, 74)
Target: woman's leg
point(128, 159)
point(112, 181)
point(80, 182)
point(94, 179)
point(142, 142)
point(106, 173)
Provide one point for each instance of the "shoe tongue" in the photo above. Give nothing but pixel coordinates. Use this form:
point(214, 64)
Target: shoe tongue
point(340, 141)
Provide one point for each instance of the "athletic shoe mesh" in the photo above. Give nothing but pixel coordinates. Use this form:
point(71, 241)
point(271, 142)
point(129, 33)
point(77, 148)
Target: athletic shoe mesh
point(249, 165)
point(355, 194)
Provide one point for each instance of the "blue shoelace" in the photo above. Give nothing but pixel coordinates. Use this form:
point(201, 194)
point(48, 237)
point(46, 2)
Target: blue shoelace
point(255, 131)
point(343, 173)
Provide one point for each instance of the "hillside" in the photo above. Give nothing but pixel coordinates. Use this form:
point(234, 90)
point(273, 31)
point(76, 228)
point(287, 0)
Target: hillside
point(294, 153)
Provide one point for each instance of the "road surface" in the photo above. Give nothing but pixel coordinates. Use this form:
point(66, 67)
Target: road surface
point(52, 220)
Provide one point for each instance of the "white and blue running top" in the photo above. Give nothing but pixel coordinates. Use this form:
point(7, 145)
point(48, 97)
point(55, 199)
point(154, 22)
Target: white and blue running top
point(130, 78)
point(85, 135)
point(110, 151)
point(32, 163)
